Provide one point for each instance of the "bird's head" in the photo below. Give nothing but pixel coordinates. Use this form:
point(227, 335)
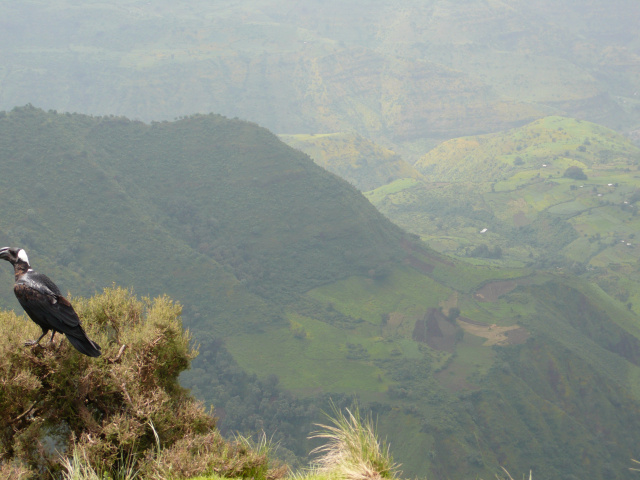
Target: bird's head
point(14, 255)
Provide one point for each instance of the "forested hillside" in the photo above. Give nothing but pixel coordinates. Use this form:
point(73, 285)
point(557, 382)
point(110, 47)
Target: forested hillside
point(298, 291)
point(182, 199)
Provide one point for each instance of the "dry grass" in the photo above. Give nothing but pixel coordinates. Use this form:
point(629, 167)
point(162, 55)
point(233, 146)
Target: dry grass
point(509, 477)
point(352, 450)
point(211, 455)
point(77, 467)
point(15, 471)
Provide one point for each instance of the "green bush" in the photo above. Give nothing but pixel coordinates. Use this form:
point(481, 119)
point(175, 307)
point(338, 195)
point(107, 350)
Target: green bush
point(574, 172)
point(123, 410)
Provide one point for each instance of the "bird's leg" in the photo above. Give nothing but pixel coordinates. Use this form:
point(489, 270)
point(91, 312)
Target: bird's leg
point(50, 342)
point(31, 343)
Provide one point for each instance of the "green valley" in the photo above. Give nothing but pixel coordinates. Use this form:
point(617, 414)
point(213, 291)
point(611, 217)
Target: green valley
point(513, 190)
point(298, 291)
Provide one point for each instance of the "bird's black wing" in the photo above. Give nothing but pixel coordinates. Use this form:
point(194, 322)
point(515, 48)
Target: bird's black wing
point(42, 301)
point(40, 282)
point(53, 312)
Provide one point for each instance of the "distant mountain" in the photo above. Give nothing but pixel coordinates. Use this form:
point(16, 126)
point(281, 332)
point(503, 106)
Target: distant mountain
point(399, 76)
point(297, 290)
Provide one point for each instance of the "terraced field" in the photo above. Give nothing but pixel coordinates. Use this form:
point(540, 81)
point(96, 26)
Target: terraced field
point(509, 189)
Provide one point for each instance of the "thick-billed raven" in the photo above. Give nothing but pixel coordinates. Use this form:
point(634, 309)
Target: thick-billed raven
point(45, 305)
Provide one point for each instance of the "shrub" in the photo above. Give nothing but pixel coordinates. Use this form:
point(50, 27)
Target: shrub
point(123, 410)
point(574, 172)
point(15, 471)
point(197, 454)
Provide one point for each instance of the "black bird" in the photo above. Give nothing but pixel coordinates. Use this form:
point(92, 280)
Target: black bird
point(45, 305)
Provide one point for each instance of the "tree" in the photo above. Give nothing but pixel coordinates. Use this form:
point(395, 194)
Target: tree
point(123, 408)
point(454, 312)
point(574, 172)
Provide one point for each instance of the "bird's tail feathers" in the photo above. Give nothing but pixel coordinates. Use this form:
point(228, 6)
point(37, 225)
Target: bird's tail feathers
point(83, 344)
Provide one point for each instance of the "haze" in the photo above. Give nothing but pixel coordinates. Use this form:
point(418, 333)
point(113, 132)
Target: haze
point(401, 73)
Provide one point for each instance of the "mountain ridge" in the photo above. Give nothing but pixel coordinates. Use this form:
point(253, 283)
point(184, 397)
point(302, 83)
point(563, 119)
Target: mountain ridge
point(422, 73)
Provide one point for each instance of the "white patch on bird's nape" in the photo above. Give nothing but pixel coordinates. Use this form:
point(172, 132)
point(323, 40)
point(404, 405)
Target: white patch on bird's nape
point(22, 255)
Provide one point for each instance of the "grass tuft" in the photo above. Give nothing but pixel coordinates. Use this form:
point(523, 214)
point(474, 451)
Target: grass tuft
point(352, 450)
point(509, 477)
point(78, 467)
point(262, 446)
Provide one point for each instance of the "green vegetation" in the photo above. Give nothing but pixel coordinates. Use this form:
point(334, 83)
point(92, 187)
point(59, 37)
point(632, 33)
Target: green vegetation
point(119, 414)
point(299, 293)
point(352, 449)
point(295, 288)
point(557, 192)
point(360, 161)
point(264, 219)
point(548, 239)
point(574, 172)
point(123, 416)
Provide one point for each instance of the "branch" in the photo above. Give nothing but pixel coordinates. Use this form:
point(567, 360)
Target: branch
point(119, 355)
point(22, 415)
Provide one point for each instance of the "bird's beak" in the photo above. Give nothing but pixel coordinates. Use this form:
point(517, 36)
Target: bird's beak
point(4, 253)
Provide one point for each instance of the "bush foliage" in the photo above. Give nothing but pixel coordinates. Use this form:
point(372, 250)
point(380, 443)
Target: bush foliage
point(124, 408)
point(574, 172)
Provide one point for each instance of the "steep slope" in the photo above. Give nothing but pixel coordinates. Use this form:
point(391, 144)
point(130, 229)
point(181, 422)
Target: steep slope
point(163, 205)
point(297, 290)
point(356, 159)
